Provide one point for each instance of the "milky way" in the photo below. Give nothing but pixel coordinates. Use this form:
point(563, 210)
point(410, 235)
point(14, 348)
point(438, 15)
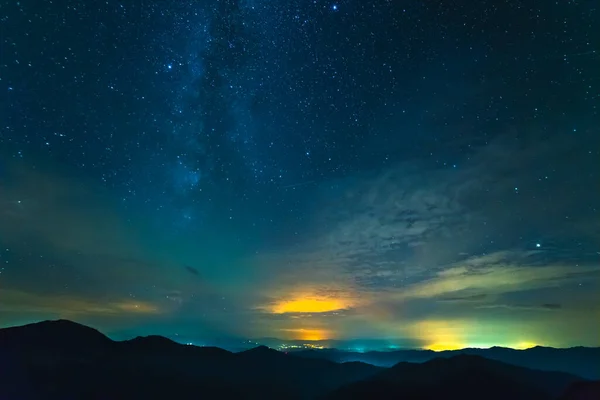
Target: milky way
point(303, 169)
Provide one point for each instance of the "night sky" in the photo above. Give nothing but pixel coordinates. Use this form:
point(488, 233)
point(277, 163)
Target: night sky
point(419, 171)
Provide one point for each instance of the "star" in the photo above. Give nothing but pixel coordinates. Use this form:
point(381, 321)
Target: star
point(316, 149)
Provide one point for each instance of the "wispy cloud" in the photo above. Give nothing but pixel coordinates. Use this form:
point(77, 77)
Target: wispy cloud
point(54, 212)
point(417, 241)
point(532, 307)
point(502, 275)
point(468, 298)
point(191, 270)
point(14, 301)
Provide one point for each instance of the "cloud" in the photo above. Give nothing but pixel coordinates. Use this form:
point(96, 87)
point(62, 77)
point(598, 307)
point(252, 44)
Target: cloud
point(72, 236)
point(308, 305)
point(400, 223)
point(498, 274)
point(420, 221)
point(53, 212)
point(14, 301)
point(531, 307)
point(386, 249)
point(68, 233)
point(310, 299)
point(191, 270)
point(552, 306)
point(473, 297)
point(418, 242)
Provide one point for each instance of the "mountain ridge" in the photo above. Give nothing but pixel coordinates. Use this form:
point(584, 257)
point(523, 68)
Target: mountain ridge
point(64, 359)
point(579, 360)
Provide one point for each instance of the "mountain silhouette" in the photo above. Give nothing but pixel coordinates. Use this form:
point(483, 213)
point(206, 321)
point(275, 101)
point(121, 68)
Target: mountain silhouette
point(460, 377)
point(580, 361)
point(261, 352)
point(64, 335)
point(65, 360)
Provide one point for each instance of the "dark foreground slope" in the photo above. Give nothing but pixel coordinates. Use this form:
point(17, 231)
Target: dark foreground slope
point(582, 391)
point(65, 360)
point(461, 377)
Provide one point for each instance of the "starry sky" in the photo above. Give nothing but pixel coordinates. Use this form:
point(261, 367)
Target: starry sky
point(425, 172)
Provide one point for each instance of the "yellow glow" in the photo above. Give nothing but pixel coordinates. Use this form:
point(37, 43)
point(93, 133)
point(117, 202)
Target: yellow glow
point(308, 334)
point(440, 335)
point(308, 305)
point(524, 345)
point(445, 346)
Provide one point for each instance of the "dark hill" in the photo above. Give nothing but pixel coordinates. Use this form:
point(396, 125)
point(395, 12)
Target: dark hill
point(310, 376)
point(65, 360)
point(153, 341)
point(262, 352)
point(580, 361)
point(161, 345)
point(460, 377)
point(58, 335)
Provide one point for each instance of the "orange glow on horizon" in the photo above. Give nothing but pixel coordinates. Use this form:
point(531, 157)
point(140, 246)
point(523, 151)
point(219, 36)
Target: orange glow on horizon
point(309, 334)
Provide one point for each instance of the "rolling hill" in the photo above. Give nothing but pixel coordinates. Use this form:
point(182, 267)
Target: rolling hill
point(65, 360)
